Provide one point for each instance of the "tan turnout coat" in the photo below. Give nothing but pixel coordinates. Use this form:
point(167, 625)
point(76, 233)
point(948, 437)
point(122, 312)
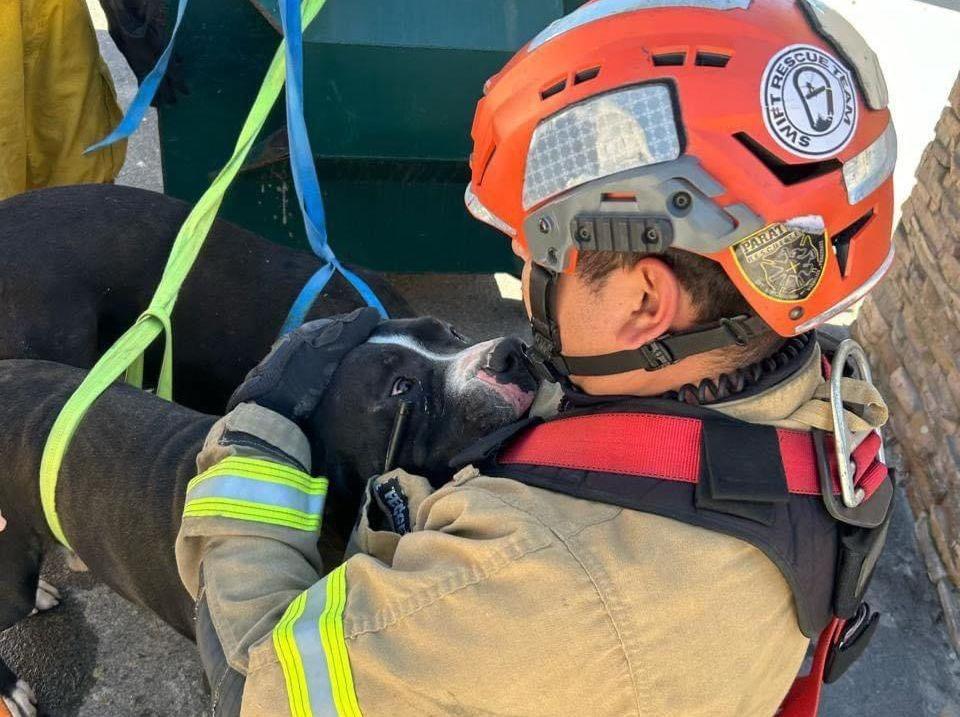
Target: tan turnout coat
point(507, 599)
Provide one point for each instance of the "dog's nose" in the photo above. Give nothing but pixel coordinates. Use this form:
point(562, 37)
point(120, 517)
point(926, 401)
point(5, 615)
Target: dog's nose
point(507, 359)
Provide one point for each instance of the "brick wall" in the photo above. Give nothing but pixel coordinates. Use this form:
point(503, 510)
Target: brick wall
point(910, 326)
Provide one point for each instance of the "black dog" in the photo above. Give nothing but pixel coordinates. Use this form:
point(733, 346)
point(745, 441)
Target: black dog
point(121, 488)
point(78, 265)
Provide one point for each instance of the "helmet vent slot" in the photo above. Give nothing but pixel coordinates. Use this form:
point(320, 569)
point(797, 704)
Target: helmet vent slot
point(788, 174)
point(841, 240)
point(586, 75)
point(667, 59)
point(553, 89)
point(624, 197)
point(711, 59)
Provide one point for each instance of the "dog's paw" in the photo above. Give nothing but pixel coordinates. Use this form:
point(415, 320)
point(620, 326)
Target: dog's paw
point(48, 597)
point(21, 702)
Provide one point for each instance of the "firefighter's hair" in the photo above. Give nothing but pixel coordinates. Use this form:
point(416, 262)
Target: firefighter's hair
point(714, 295)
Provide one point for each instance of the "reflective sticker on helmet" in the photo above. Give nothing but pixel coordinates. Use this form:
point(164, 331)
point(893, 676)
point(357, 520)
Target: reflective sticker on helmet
point(781, 262)
point(809, 101)
point(602, 135)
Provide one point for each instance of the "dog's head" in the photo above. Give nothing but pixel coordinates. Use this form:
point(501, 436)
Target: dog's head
point(455, 393)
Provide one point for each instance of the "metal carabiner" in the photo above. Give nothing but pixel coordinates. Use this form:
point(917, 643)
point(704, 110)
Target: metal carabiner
point(848, 351)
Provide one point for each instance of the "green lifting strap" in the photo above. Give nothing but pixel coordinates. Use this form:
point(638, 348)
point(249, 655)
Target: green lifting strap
point(126, 355)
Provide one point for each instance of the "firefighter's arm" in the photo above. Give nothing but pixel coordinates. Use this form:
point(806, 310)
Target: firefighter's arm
point(455, 618)
point(248, 540)
point(251, 517)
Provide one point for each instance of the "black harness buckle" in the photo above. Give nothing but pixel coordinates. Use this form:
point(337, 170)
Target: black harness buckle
point(854, 639)
point(870, 513)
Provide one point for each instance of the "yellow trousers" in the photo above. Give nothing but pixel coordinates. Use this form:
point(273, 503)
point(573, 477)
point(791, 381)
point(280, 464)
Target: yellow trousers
point(56, 97)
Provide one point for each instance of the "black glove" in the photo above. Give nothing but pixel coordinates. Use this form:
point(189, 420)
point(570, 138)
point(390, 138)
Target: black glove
point(140, 30)
point(292, 378)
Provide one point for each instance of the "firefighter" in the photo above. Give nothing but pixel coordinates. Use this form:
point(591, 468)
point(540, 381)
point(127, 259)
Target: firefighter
point(56, 98)
point(56, 94)
point(694, 186)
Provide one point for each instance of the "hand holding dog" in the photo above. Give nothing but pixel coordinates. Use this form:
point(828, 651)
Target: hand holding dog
point(294, 375)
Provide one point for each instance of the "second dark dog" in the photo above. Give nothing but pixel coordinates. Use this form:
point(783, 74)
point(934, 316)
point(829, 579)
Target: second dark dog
point(78, 265)
point(121, 489)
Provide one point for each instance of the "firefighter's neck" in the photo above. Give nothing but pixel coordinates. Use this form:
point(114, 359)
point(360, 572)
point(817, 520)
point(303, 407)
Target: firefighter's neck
point(692, 370)
point(628, 309)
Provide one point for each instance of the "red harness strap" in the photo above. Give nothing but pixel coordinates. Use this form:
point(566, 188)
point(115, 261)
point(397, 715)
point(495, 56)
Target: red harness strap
point(803, 699)
point(668, 448)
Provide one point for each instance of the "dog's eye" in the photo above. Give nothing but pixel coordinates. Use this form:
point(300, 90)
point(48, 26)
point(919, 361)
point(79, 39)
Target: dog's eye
point(401, 386)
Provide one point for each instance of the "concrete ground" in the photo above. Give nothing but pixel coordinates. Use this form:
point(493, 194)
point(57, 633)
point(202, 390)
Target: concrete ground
point(96, 655)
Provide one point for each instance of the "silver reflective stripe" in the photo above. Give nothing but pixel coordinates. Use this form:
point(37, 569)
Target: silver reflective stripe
point(850, 300)
point(600, 136)
point(300, 652)
point(479, 211)
point(257, 490)
point(306, 633)
point(605, 8)
point(852, 47)
point(311, 648)
point(872, 167)
point(244, 488)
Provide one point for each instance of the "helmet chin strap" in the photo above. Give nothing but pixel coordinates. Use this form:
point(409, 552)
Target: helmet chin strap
point(551, 364)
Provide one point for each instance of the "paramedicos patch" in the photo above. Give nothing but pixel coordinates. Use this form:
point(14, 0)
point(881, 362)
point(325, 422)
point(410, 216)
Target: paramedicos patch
point(809, 101)
point(781, 262)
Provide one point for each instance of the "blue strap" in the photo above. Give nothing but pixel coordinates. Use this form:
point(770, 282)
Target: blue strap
point(301, 161)
point(305, 180)
point(148, 88)
point(305, 299)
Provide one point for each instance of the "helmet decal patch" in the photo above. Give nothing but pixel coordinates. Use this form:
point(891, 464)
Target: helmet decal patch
point(781, 262)
point(809, 101)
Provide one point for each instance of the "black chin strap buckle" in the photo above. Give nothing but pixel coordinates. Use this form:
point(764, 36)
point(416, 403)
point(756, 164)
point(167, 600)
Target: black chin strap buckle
point(544, 354)
point(739, 330)
point(540, 355)
point(656, 355)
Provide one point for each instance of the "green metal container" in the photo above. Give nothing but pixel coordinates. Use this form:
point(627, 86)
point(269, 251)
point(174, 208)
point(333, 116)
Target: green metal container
point(390, 90)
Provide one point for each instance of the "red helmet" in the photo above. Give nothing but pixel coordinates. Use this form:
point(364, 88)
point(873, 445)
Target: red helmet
point(752, 132)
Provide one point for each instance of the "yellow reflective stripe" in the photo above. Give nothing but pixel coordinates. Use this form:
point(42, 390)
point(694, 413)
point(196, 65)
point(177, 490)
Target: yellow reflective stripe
point(248, 510)
point(263, 470)
point(312, 652)
point(262, 466)
point(335, 646)
point(289, 657)
point(315, 486)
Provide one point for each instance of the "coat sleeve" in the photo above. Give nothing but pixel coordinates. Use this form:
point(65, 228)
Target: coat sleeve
point(251, 521)
point(458, 620)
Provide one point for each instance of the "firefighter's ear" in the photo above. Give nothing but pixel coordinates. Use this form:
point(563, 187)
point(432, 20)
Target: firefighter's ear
point(650, 300)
